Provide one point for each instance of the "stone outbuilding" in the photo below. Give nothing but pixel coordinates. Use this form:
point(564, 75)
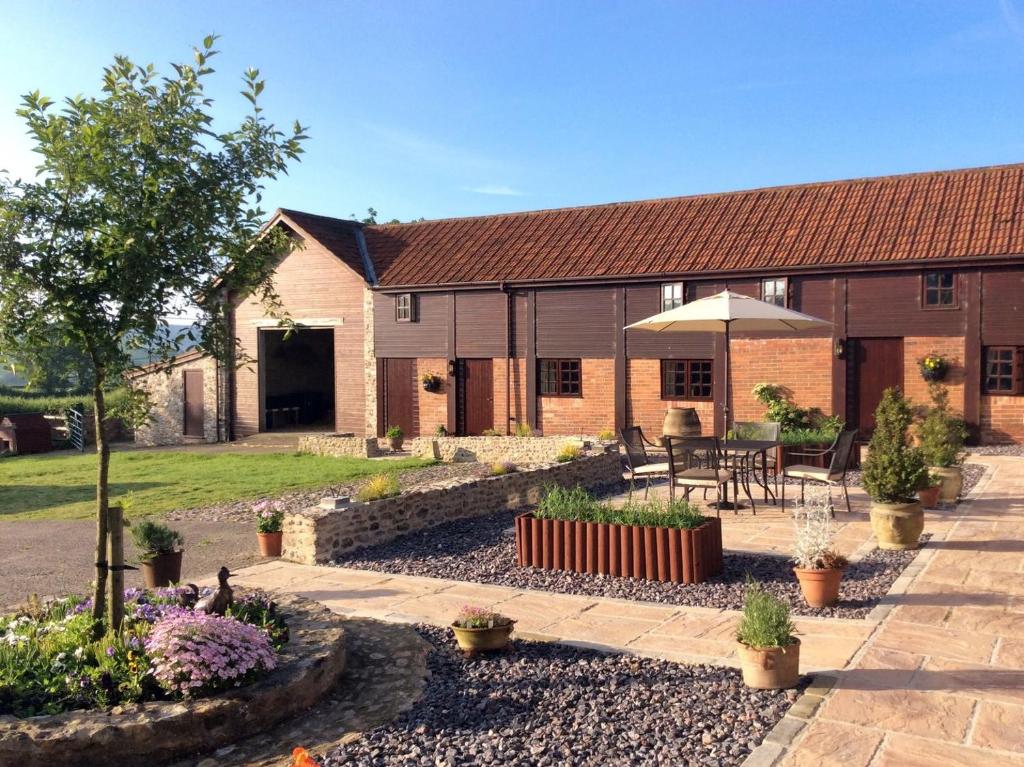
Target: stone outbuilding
point(186, 401)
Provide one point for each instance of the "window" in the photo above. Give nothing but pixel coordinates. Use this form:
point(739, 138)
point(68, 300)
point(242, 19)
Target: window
point(939, 290)
point(1004, 370)
point(672, 295)
point(774, 291)
point(560, 378)
point(404, 308)
point(686, 379)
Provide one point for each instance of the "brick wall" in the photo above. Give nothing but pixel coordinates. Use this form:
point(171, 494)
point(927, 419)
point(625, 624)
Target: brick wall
point(950, 347)
point(590, 414)
point(1002, 419)
point(430, 409)
point(803, 366)
point(319, 290)
point(646, 408)
point(512, 410)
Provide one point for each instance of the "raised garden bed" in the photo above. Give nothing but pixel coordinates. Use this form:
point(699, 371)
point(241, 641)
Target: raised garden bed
point(663, 554)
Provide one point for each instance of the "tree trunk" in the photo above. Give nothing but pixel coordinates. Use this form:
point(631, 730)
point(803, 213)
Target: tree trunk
point(102, 500)
point(115, 534)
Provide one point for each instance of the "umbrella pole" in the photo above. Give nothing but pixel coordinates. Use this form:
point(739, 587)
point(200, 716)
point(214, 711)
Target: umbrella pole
point(725, 404)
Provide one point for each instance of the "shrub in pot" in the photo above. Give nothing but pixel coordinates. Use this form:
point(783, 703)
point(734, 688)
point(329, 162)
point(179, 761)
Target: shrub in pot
point(477, 629)
point(269, 521)
point(819, 569)
point(160, 553)
point(769, 653)
point(941, 435)
point(928, 494)
point(893, 473)
point(395, 437)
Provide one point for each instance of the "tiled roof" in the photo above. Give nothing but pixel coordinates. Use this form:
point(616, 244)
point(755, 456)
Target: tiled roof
point(335, 234)
point(945, 214)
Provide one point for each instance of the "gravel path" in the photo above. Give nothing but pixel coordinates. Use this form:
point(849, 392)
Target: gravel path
point(547, 705)
point(1017, 450)
point(482, 550)
point(241, 511)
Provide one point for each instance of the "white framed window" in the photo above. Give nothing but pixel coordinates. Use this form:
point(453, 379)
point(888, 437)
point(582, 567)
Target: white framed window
point(404, 308)
point(774, 290)
point(672, 295)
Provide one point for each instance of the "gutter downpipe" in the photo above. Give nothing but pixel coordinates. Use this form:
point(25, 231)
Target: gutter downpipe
point(508, 358)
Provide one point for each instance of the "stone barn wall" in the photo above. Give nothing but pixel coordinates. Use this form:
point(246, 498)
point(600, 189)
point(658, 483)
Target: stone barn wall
point(167, 396)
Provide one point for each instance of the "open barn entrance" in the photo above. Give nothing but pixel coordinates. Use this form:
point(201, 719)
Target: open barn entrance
point(297, 376)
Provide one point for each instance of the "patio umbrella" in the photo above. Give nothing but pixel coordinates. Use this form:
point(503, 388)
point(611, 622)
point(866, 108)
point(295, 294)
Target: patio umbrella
point(728, 312)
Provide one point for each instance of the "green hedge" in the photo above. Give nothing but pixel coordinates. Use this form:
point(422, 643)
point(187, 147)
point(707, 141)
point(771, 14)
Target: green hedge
point(13, 401)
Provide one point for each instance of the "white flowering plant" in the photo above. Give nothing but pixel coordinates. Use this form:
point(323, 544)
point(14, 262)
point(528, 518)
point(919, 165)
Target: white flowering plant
point(813, 534)
point(269, 517)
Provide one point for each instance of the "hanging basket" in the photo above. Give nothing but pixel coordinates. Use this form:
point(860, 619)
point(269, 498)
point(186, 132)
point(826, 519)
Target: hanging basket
point(934, 368)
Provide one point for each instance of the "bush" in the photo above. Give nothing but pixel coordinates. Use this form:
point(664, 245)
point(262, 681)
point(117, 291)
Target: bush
point(441, 430)
point(607, 435)
point(490, 433)
point(154, 538)
point(394, 432)
point(577, 505)
point(569, 452)
point(894, 470)
point(500, 468)
point(195, 654)
point(19, 401)
point(942, 434)
point(378, 487)
point(799, 426)
point(523, 430)
point(765, 622)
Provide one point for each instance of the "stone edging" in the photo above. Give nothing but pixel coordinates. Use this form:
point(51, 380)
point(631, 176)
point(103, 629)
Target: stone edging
point(157, 732)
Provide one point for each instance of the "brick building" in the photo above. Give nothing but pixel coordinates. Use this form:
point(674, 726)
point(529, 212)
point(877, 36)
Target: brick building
point(521, 315)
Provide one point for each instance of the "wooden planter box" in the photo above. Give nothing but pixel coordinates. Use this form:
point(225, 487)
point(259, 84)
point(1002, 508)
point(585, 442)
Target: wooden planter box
point(652, 553)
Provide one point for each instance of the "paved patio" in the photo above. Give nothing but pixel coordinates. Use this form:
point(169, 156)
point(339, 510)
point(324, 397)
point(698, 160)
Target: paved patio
point(934, 676)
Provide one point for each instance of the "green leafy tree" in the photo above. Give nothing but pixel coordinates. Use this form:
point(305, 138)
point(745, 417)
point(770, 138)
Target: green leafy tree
point(894, 470)
point(942, 434)
point(140, 210)
point(55, 366)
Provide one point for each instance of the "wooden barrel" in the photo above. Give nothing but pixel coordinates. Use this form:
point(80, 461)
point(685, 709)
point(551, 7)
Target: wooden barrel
point(681, 422)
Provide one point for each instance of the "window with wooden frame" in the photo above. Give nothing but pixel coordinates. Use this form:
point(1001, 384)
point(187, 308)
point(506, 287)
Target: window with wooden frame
point(687, 379)
point(673, 294)
point(560, 378)
point(938, 290)
point(1004, 370)
point(405, 308)
point(775, 290)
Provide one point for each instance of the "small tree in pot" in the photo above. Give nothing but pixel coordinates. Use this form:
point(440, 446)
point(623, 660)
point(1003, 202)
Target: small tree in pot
point(160, 553)
point(893, 473)
point(395, 437)
point(942, 437)
point(819, 569)
point(769, 653)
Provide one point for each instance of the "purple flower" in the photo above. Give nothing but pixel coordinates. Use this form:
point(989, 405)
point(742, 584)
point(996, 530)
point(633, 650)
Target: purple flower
point(110, 652)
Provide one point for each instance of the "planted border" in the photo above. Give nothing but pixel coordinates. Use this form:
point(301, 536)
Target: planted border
point(664, 554)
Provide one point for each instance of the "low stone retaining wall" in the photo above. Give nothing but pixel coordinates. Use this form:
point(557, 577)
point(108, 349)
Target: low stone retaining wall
point(317, 535)
point(491, 449)
point(159, 732)
point(339, 446)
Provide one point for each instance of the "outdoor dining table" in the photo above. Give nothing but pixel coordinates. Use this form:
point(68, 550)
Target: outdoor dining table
point(744, 453)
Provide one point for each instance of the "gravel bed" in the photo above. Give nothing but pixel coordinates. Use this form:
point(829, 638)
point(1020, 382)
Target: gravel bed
point(547, 705)
point(482, 550)
point(1017, 450)
point(241, 511)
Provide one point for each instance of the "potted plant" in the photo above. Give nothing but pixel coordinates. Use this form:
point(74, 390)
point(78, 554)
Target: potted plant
point(431, 382)
point(395, 437)
point(769, 653)
point(929, 493)
point(933, 367)
point(477, 629)
point(441, 430)
point(160, 553)
point(942, 435)
point(819, 569)
point(893, 473)
point(269, 520)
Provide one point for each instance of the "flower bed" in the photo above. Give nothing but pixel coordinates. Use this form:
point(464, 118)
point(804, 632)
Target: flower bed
point(176, 721)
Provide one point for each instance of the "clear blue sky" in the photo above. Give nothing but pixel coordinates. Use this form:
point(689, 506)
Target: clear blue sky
point(457, 108)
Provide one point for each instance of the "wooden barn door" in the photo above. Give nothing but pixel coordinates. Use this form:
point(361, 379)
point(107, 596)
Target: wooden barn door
point(399, 390)
point(193, 387)
point(474, 397)
point(877, 365)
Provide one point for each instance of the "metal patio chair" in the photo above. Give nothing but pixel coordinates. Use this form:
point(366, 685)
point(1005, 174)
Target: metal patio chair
point(695, 463)
point(638, 463)
point(763, 431)
point(841, 451)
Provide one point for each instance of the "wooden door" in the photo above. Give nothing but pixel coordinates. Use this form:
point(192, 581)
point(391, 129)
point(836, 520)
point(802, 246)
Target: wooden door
point(399, 390)
point(474, 390)
point(193, 387)
point(878, 365)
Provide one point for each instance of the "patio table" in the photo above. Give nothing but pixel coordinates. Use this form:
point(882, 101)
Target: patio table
point(745, 453)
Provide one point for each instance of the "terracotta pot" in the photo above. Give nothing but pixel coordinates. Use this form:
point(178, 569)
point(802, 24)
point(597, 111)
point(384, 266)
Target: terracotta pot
point(952, 482)
point(396, 442)
point(162, 570)
point(929, 496)
point(270, 543)
point(472, 641)
point(770, 668)
point(820, 587)
point(897, 526)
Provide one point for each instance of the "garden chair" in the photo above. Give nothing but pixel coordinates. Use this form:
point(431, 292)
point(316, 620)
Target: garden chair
point(696, 463)
point(762, 431)
point(841, 451)
point(638, 463)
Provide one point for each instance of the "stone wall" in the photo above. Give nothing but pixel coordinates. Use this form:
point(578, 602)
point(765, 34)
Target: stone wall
point(317, 535)
point(167, 397)
point(339, 445)
point(518, 450)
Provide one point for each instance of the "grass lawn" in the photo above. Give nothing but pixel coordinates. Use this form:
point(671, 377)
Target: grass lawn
point(63, 486)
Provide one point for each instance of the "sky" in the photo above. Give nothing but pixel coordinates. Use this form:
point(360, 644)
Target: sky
point(440, 109)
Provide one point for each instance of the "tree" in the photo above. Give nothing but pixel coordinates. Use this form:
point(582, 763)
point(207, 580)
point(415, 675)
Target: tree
point(140, 209)
point(894, 470)
point(54, 366)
